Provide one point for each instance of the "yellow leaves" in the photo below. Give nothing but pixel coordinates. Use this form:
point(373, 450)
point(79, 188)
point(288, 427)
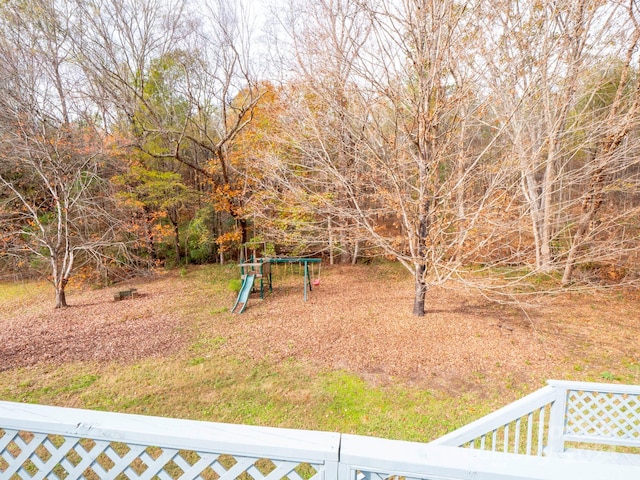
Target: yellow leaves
point(163, 231)
point(230, 239)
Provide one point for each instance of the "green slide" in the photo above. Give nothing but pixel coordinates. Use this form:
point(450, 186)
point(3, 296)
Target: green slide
point(243, 296)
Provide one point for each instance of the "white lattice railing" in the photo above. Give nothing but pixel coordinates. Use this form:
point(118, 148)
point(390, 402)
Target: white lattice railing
point(575, 419)
point(41, 442)
point(47, 442)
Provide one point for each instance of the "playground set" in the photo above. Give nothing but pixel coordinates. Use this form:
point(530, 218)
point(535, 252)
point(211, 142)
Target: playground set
point(260, 269)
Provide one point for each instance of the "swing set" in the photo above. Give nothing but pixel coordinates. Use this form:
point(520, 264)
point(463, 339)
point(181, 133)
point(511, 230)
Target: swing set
point(309, 279)
point(260, 269)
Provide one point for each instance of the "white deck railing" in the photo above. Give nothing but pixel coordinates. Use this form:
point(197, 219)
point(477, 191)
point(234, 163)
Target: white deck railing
point(39, 441)
point(564, 419)
point(42, 442)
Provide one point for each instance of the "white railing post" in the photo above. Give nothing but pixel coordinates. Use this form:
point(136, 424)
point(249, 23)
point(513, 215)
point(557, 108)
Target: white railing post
point(345, 472)
point(597, 414)
point(332, 468)
point(557, 419)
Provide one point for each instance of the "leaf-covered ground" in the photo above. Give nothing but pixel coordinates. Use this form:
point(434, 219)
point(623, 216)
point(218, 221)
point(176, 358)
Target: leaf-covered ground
point(93, 328)
point(357, 320)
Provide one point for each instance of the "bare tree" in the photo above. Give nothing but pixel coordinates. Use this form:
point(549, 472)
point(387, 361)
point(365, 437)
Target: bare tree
point(327, 38)
point(610, 154)
point(542, 58)
point(57, 209)
point(396, 78)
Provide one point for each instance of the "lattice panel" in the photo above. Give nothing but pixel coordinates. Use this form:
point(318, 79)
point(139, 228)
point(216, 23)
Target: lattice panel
point(26, 455)
point(607, 415)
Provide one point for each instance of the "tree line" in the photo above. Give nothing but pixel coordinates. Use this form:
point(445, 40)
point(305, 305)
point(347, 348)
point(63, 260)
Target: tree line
point(489, 142)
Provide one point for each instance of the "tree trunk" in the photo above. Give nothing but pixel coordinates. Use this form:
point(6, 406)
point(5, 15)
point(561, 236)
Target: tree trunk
point(345, 255)
point(421, 267)
point(61, 297)
point(330, 228)
point(172, 214)
point(421, 291)
point(571, 257)
point(356, 252)
point(590, 207)
point(218, 231)
point(176, 236)
point(151, 245)
point(546, 202)
point(242, 224)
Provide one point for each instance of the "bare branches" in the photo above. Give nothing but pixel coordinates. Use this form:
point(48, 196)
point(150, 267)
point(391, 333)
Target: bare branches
point(57, 206)
point(449, 136)
point(448, 145)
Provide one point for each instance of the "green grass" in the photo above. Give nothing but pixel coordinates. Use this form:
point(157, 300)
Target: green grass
point(288, 394)
point(524, 279)
point(12, 291)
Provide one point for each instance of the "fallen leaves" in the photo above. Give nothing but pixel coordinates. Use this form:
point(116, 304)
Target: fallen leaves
point(358, 319)
point(94, 328)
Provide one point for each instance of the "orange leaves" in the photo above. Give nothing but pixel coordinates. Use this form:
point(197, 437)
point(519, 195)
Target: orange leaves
point(226, 198)
point(163, 231)
point(115, 145)
point(255, 140)
point(228, 240)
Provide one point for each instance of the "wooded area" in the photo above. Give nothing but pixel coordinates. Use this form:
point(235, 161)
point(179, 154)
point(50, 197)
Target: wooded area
point(490, 142)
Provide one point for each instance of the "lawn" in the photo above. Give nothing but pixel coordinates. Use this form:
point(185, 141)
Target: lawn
point(352, 359)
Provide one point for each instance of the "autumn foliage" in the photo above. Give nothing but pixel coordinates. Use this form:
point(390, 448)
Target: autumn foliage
point(487, 144)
